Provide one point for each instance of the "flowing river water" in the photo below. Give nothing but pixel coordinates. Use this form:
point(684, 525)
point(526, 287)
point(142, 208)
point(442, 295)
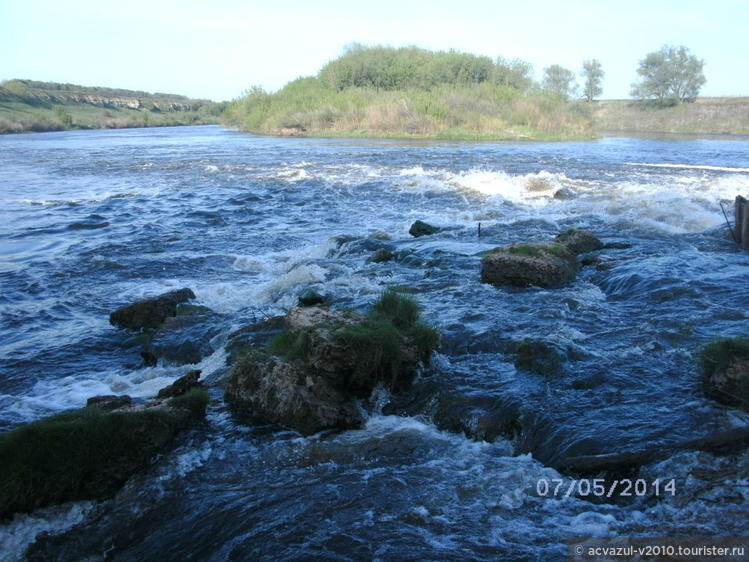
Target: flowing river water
point(93, 220)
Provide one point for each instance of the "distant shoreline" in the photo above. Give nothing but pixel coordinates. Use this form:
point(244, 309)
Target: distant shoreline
point(33, 106)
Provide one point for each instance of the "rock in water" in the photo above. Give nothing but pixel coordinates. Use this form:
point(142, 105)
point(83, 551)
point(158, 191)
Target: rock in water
point(181, 385)
point(309, 376)
point(270, 388)
point(150, 313)
point(539, 357)
point(182, 339)
point(545, 264)
point(725, 372)
point(310, 297)
point(110, 401)
point(579, 241)
point(88, 453)
point(420, 228)
point(381, 255)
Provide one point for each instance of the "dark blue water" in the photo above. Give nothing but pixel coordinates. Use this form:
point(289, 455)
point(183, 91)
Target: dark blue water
point(93, 220)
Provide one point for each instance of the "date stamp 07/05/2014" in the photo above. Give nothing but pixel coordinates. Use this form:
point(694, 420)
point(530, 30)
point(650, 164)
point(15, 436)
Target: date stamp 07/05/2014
point(600, 487)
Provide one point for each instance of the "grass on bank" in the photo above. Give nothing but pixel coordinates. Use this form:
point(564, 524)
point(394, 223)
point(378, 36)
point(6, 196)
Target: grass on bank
point(86, 453)
point(714, 116)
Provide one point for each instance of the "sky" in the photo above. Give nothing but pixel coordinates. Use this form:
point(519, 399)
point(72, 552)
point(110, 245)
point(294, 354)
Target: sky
point(217, 49)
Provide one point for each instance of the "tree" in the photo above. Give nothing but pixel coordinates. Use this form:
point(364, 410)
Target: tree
point(515, 73)
point(671, 74)
point(593, 73)
point(559, 81)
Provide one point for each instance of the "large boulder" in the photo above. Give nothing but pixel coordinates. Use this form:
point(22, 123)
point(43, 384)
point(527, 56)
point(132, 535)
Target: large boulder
point(90, 452)
point(544, 264)
point(150, 313)
point(579, 241)
point(270, 388)
point(309, 376)
point(725, 372)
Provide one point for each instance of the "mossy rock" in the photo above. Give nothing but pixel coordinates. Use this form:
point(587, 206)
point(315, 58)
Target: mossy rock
point(579, 241)
point(87, 453)
point(724, 365)
point(543, 264)
point(324, 360)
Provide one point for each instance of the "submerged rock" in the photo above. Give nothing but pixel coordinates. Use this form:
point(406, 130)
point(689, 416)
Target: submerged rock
point(725, 372)
point(545, 264)
point(564, 193)
point(150, 313)
point(539, 357)
point(88, 453)
point(579, 241)
point(626, 463)
point(381, 255)
point(182, 339)
point(309, 376)
point(420, 228)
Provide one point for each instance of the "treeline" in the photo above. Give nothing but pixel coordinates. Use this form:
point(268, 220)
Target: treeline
point(414, 68)
point(413, 92)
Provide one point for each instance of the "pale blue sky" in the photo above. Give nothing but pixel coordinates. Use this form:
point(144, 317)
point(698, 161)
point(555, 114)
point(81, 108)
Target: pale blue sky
point(216, 49)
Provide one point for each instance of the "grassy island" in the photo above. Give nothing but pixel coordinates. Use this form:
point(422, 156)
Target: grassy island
point(413, 93)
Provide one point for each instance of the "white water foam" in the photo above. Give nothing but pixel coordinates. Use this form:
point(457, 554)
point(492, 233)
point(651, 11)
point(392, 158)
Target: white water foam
point(22, 530)
point(51, 396)
point(690, 167)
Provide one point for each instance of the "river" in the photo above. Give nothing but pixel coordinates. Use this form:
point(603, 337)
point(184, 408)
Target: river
point(93, 220)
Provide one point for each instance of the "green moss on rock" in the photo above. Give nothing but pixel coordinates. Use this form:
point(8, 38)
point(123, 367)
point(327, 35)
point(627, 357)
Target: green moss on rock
point(86, 453)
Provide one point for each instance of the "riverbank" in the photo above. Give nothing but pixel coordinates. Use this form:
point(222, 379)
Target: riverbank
point(32, 106)
point(711, 116)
